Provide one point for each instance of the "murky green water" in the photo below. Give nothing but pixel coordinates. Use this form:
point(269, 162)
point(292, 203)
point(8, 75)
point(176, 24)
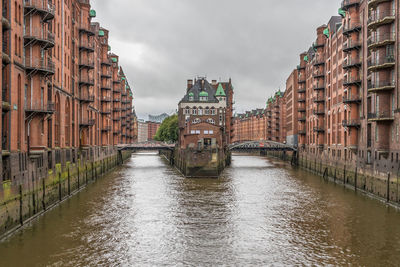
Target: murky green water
point(258, 213)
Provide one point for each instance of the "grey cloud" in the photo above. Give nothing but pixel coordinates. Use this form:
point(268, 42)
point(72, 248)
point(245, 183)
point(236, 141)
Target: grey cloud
point(255, 42)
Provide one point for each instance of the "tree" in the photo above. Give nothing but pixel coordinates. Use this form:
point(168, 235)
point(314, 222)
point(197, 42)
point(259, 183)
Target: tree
point(169, 130)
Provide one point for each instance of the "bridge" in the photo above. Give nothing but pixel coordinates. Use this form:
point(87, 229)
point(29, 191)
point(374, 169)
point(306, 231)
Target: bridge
point(264, 145)
point(147, 146)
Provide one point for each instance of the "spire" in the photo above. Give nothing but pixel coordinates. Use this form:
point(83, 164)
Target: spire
point(220, 91)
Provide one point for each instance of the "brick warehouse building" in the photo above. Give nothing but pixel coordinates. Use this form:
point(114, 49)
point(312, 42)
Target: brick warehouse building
point(263, 124)
point(64, 95)
point(348, 95)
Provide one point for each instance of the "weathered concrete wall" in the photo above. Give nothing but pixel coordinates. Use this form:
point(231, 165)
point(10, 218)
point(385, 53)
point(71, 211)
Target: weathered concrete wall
point(204, 163)
point(22, 201)
point(383, 185)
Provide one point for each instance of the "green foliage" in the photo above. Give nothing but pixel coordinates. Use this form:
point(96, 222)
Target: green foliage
point(169, 130)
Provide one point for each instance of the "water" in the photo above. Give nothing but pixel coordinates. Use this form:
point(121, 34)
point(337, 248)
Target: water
point(258, 213)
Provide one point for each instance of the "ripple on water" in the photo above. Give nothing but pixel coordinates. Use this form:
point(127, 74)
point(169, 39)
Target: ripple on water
point(259, 212)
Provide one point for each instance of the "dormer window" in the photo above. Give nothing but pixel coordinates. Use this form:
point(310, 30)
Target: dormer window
point(203, 96)
point(191, 96)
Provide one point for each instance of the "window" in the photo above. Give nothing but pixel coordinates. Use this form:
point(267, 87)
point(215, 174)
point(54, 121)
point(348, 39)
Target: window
point(196, 121)
point(197, 131)
point(191, 98)
point(200, 111)
point(210, 120)
point(205, 131)
point(211, 131)
point(194, 111)
point(192, 132)
point(376, 133)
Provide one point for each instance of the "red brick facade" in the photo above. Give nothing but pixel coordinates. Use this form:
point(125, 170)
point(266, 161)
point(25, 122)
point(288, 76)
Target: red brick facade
point(347, 91)
point(68, 92)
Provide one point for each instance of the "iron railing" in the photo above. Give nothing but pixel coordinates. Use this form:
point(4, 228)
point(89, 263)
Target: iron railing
point(381, 84)
point(380, 15)
point(381, 38)
point(39, 106)
point(381, 61)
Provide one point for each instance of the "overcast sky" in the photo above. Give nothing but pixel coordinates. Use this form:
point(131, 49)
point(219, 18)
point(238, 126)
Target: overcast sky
point(162, 43)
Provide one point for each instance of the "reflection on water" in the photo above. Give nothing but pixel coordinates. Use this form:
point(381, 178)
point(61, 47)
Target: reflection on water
point(259, 212)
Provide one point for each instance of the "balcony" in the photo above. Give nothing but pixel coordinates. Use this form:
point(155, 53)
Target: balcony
point(319, 44)
point(116, 132)
point(351, 99)
point(36, 36)
point(352, 62)
point(39, 107)
point(301, 91)
point(86, 81)
point(5, 23)
point(353, 27)
point(86, 63)
point(319, 60)
point(379, 40)
point(116, 109)
point(44, 7)
point(106, 99)
point(301, 100)
point(382, 116)
point(349, 81)
point(302, 132)
point(106, 128)
point(117, 99)
point(346, 4)
point(107, 62)
point(319, 129)
point(301, 80)
point(374, 3)
point(86, 46)
point(380, 18)
point(354, 123)
point(319, 111)
point(319, 99)
point(301, 109)
point(116, 118)
point(381, 63)
point(351, 45)
point(87, 122)
point(86, 29)
point(319, 74)
point(42, 66)
point(86, 98)
point(5, 53)
point(106, 74)
point(105, 111)
point(379, 86)
point(106, 86)
point(319, 87)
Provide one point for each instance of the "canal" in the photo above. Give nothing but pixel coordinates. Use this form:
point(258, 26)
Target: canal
point(259, 212)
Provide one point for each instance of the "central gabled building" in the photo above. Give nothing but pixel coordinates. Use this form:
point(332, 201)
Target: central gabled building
point(202, 115)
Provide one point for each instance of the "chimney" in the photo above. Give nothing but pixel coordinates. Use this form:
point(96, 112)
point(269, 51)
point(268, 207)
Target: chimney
point(214, 82)
point(189, 84)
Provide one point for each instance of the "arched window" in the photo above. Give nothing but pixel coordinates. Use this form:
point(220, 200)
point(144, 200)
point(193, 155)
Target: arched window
point(200, 111)
point(20, 47)
point(196, 121)
point(16, 45)
point(194, 111)
point(210, 120)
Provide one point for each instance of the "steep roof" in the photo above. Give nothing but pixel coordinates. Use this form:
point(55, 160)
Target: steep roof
point(220, 91)
point(201, 88)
